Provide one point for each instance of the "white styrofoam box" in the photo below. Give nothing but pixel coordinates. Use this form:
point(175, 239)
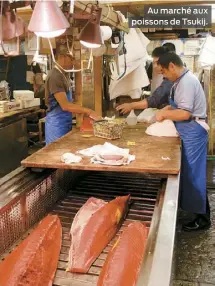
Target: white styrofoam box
point(3, 106)
point(14, 105)
point(30, 103)
point(36, 102)
point(22, 105)
point(7, 106)
point(23, 94)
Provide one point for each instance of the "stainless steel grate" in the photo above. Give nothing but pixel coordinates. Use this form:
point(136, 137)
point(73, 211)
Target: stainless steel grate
point(10, 226)
point(30, 196)
point(36, 200)
point(144, 195)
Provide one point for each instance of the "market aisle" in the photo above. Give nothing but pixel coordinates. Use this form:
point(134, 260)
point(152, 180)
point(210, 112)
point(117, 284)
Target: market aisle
point(195, 252)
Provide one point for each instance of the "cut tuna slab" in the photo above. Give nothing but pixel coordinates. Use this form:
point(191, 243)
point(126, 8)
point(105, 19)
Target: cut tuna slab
point(123, 262)
point(34, 261)
point(95, 224)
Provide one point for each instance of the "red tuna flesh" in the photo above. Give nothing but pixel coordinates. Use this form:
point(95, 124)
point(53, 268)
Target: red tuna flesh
point(123, 262)
point(95, 224)
point(34, 261)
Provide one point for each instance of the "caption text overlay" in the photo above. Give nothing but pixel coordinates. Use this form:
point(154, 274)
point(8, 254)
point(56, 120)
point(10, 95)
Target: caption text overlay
point(173, 17)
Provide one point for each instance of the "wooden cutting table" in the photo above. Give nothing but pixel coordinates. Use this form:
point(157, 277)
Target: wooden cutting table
point(154, 155)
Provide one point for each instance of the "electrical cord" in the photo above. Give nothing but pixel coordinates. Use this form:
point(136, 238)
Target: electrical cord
point(124, 51)
point(1, 27)
point(125, 62)
point(87, 7)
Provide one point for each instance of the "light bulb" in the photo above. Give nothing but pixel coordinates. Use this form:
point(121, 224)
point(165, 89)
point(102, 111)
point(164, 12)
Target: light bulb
point(106, 32)
point(72, 6)
point(50, 34)
point(90, 45)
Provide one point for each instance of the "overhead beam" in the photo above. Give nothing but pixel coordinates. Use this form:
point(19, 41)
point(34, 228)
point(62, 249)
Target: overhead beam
point(125, 9)
point(109, 16)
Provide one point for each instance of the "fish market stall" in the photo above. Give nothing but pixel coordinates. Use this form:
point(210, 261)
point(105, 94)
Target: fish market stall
point(14, 139)
point(151, 180)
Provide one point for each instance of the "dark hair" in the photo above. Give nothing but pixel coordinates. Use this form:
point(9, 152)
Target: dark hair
point(35, 67)
point(168, 58)
point(159, 51)
point(170, 47)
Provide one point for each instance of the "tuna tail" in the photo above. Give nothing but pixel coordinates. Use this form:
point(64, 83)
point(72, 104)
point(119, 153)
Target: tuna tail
point(124, 203)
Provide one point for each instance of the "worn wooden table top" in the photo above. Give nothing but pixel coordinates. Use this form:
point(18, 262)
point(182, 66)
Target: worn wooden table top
point(21, 112)
point(150, 152)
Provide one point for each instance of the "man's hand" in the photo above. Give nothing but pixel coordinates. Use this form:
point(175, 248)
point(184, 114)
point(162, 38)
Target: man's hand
point(93, 115)
point(124, 108)
point(174, 115)
point(168, 107)
point(160, 116)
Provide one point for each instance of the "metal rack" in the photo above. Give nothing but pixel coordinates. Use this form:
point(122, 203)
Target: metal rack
point(27, 197)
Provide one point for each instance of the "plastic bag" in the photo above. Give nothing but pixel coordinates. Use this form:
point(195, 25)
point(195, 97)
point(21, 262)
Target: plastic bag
point(147, 115)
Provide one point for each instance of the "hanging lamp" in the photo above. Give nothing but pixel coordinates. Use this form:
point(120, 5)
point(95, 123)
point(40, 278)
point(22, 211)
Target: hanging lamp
point(90, 35)
point(48, 21)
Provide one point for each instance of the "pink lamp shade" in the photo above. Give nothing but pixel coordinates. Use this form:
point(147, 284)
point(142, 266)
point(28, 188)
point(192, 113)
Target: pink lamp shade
point(91, 36)
point(48, 21)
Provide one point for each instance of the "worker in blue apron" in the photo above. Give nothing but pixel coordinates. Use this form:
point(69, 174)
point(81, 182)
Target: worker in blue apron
point(59, 100)
point(188, 111)
point(58, 122)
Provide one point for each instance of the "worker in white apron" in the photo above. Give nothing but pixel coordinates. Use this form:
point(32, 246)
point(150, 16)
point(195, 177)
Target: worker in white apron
point(188, 111)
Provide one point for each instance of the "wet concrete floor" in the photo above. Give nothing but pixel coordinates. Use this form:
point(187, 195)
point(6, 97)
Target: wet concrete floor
point(194, 262)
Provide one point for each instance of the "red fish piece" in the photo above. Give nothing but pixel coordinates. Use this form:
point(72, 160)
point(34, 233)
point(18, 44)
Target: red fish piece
point(34, 261)
point(123, 263)
point(95, 224)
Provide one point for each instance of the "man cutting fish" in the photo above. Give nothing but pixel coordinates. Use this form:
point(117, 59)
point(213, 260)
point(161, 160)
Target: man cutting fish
point(187, 108)
point(59, 98)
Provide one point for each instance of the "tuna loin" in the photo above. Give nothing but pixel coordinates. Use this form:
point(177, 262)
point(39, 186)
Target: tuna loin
point(123, 263)
point(34, 261)
point(95, 224)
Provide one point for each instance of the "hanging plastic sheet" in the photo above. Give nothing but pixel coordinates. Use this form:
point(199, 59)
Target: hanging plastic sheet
point(135, 76)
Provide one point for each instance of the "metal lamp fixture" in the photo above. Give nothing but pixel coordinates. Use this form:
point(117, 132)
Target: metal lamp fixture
point(106, 32)
point(48, 21)
point(90, 35)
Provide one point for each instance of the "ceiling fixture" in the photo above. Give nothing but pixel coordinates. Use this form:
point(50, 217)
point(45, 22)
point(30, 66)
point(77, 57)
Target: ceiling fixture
point(48, 21)
point(72, 6)
point(90, 35)
point(106, 32)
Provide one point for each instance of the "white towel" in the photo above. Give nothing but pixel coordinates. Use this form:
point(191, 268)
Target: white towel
point(69, 158)
point(98, 151)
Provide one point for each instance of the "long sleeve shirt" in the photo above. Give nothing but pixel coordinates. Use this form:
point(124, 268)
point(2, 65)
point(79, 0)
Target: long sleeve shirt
point(160, 96)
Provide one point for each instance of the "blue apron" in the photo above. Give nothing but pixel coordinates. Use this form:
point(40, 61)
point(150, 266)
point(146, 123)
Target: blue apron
point(193, 166)
point(58, 122)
